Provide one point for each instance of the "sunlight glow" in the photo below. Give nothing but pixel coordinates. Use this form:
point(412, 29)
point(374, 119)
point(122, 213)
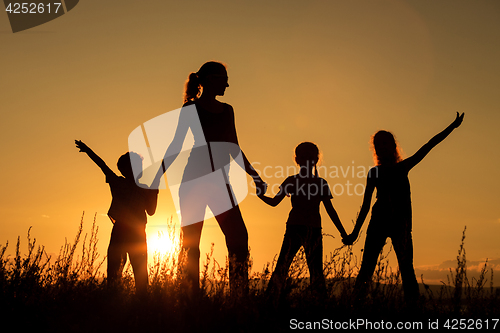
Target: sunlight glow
point(162, 244)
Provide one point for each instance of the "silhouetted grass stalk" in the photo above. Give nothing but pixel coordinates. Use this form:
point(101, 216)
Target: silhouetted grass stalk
point(74, 282)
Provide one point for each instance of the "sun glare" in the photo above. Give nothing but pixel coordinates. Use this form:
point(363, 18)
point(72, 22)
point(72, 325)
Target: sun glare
point(162, 244)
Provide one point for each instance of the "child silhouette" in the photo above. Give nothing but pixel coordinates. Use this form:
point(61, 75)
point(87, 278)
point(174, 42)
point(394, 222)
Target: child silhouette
point(391, 213)
point(128, 209)
point(303, 227)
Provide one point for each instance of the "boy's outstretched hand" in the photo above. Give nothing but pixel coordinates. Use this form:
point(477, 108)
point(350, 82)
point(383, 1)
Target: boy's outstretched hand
point(458, 120)
point(82, 146)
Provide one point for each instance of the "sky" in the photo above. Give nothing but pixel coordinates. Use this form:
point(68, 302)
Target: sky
point(331, 72)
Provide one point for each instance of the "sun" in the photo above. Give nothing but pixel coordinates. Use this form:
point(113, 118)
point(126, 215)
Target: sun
point(162, 244)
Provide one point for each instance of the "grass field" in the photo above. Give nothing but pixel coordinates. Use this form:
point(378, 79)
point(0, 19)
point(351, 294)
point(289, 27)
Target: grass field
point(69, 293)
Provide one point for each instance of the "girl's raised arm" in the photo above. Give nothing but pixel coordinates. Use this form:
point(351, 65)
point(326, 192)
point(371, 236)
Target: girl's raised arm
point(425, 149)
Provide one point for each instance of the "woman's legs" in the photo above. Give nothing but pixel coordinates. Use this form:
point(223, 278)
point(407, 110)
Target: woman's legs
point(234, 229)
point(191, 235)
point(192, 202)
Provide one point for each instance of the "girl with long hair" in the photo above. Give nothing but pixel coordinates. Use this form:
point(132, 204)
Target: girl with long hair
point(392, 213)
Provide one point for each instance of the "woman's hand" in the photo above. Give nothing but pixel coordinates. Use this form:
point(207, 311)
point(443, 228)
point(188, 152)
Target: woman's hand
point(260, 187)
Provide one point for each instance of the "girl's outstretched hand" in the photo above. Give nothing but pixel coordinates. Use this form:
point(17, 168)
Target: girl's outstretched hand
point(82, 146)
point(458, 120)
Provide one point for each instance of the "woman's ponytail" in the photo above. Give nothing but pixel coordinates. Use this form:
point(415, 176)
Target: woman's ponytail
point(195, 81)
point(191, 88)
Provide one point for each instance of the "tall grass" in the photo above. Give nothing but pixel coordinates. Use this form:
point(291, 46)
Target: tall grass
point(69, 292)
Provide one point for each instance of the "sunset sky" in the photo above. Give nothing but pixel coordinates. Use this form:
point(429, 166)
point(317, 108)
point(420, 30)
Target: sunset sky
point(332, 72)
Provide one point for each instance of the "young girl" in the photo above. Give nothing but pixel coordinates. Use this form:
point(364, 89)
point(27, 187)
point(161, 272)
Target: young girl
point(303, 227)
point(391, 214)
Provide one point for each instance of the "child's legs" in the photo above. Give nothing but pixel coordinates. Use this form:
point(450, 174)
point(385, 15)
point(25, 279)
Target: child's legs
point(403, 246)
point(374, 243)
point(138, 254)
point(117, 253)
point(292, 241)
point(313, 247)
point(234, 229)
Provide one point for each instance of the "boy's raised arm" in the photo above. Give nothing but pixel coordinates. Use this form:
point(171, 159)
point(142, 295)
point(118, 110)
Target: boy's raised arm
point(94, 157)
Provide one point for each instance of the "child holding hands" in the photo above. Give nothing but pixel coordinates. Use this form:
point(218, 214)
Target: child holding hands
point(303, 227)
point(392, 212)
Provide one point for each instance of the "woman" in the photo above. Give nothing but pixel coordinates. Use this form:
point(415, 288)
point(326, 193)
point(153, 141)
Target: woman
point(205, 180)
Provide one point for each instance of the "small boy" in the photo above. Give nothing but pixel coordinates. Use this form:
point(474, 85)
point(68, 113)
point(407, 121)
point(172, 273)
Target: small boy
point(128, 209)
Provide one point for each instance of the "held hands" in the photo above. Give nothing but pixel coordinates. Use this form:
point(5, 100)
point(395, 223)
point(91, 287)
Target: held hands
point(458, 120)
point(82, 146)
point(260, 187)
point(350, 239)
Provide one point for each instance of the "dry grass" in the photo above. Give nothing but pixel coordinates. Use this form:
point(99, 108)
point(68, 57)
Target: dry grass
point(69, 293)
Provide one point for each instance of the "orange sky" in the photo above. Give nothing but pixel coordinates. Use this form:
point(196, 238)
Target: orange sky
point(331, 72)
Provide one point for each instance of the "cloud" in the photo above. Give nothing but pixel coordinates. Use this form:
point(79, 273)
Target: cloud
point(444, 272)
point(45, 216)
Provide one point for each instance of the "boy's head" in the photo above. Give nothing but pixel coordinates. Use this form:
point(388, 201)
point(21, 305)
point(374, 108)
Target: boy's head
point(130, 163)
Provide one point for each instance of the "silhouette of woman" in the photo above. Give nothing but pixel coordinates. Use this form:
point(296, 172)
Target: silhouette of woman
point(214, 145)
point(391, 213)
